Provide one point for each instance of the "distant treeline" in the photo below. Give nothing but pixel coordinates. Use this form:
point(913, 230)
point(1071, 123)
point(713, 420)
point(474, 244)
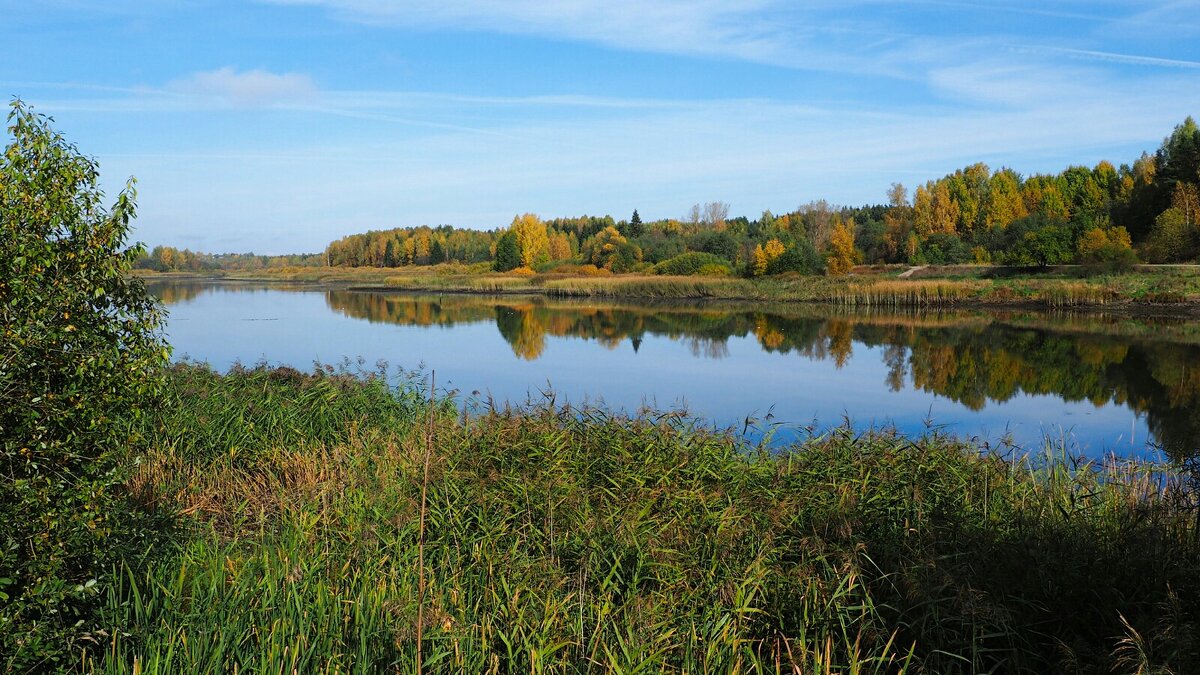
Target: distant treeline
point(171, 259)
point(1103, 215)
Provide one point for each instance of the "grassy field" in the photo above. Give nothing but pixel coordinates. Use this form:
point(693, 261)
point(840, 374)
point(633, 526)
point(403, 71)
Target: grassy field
point(959, 285)
point(333, 524)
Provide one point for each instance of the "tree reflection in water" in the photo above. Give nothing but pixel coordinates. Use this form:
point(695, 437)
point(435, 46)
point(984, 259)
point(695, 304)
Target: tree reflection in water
point(972, 358)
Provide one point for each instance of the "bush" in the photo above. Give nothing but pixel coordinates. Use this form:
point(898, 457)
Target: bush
point(801, 258)
point(1106, 250)
point(689, 264)
point(714, 270)
point(945, 249)
point(80, 359)
point(658, 246)
point(1172, 239)
point(717, 243)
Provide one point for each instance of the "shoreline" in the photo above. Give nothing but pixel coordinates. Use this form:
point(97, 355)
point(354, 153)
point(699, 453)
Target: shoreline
point(1112, 294)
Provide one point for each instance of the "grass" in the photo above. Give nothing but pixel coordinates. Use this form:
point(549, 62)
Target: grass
point(874, 286)
point(643, 286)
point(575, 541)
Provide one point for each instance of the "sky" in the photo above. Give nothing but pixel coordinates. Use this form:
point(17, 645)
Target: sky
point(276, 126)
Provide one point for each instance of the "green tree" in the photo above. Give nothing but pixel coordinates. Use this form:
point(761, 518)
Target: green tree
point(508, 252)
point(80, 359)
point(1036, 241)
point(635, 228)
point(1172, 239)
point(437, 252)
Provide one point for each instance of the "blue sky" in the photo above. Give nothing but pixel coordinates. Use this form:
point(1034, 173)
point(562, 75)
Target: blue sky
point(276, 126)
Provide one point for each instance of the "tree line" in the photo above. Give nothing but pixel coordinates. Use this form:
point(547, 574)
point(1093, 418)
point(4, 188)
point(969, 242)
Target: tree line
point(1103, 215)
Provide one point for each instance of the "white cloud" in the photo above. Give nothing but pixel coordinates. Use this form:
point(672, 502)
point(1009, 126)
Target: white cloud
point(250, 88)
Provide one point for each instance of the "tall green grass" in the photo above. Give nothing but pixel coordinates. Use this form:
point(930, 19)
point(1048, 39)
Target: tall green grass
point(578, 541)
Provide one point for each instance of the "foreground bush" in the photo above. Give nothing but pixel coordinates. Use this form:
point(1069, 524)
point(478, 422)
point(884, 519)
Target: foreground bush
point(566, 540)
point(79, 358)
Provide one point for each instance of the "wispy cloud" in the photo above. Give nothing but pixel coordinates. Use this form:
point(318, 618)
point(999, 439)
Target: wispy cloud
point(764, 31)
point(1128, 59)
point(754, 154)
point(249, 88)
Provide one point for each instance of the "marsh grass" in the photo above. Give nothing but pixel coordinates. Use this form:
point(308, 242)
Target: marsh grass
point(489, 283)
point(868, 286)
point(570, 540)
point(643, 286)
point(899, 292)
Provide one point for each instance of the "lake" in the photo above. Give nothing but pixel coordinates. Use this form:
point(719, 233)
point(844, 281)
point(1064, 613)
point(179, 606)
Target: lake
point(1100, 383)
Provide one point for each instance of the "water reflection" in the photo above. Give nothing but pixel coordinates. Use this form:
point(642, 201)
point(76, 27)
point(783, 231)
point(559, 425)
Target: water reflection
point(973, 358)
point(1028, 368)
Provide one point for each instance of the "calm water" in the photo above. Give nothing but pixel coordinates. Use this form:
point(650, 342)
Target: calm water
point(1105, 384)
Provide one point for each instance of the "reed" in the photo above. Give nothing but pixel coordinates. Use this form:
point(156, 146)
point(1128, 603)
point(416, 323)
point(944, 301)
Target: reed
point(898, 293)
point(565, 540)
point(934, 286)
point(651, 287)
point(490, 283)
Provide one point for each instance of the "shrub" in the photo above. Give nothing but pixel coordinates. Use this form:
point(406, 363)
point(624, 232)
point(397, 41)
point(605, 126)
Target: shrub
point(1172, 239)
point(714, 270)
point(688, 264)
point(80, 358)
point(946, 249)
point(1106, 250)
point(717, 243)
point(801, 258)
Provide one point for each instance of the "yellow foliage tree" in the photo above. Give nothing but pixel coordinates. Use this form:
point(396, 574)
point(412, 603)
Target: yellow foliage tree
point(531, 237)
point(559, 246)
point(765, 255)
point(841, 249)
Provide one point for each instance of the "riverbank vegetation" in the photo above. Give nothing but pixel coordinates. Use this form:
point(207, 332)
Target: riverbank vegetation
point(1174, 287)
point(568, 540)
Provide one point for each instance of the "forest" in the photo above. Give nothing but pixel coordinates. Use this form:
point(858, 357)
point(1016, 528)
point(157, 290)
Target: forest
point(1104, 216)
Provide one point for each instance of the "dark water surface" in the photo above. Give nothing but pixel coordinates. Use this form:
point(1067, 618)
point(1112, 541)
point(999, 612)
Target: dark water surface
point(1101, 383)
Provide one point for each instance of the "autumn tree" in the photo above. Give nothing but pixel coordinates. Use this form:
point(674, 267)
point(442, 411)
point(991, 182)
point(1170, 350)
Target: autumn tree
point(1004, 202)
point(532, 241)
point(841, 256)
point(766, 254)
point(609, 250)
point(1186, 198)
point(1106, 249)
point(1172, 239)
point(558, 246)
point(898, 222)
point(934, 210)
